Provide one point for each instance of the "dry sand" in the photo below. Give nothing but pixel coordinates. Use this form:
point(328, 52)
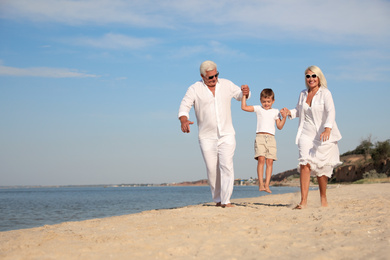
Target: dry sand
point(354, 226)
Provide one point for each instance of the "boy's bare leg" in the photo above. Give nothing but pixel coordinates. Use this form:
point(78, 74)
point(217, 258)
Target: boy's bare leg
point(322, 183)
point(268, 173)
point(260, 169)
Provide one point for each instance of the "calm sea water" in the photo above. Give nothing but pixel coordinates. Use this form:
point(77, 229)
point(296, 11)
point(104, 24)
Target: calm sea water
point(33, 207)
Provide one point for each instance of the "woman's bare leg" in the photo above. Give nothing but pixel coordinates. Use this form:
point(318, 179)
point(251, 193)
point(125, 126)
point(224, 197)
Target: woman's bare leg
point(305, 184)
point(322, 183)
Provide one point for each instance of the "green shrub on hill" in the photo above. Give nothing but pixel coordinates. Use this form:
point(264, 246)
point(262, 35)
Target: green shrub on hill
point(373, 175)
point(364, 148)
point(381, 151)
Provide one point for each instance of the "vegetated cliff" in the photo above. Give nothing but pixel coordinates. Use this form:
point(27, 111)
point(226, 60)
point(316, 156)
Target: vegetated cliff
point(284, 175)
point(352, 169)
point(191, 183)
point(354, 166)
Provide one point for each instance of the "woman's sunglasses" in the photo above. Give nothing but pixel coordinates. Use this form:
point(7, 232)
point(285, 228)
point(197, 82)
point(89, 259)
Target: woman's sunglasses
point(312, 75)
point(216, 75)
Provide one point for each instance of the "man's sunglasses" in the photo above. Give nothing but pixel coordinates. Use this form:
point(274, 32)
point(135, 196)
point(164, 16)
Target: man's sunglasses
point(216, 75)
point(312, 75)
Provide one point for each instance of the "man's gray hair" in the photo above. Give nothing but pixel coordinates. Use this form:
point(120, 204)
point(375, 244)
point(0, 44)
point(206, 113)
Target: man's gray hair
point(207, 65)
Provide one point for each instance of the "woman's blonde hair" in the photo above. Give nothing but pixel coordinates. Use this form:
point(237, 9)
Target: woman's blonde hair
point(316, 70)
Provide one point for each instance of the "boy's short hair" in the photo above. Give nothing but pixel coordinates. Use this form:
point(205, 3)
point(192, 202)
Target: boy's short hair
point(267, 93)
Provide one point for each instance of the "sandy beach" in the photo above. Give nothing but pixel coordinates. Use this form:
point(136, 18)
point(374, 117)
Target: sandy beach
point(356, 225)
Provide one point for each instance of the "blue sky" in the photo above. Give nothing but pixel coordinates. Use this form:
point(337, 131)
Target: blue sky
point(90, 90)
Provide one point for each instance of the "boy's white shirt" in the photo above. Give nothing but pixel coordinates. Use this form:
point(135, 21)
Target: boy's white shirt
point(266, 119)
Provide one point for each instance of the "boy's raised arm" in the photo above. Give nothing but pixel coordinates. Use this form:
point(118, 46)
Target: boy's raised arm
point(245, 107)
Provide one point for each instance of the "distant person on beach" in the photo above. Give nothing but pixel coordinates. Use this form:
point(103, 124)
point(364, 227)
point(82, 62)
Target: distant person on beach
point(211, 98)
point(317, 135)
point(265, 143)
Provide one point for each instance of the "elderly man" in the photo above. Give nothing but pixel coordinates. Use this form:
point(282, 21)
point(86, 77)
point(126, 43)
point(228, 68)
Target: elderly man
point(211, 98)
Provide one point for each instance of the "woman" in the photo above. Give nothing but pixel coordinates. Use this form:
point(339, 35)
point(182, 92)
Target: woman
point(317, 135)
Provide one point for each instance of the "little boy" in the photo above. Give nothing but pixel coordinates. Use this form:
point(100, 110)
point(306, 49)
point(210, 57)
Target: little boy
point(265, 143)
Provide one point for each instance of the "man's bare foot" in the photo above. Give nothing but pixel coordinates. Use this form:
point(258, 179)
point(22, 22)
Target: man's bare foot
point(218, 204)
point(229, 205)
point(299, 206)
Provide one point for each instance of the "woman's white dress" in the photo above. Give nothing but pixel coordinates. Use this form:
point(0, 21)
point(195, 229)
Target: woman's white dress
point(321, 156)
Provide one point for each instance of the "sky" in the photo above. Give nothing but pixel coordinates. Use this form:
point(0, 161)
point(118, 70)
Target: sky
point(90, 89)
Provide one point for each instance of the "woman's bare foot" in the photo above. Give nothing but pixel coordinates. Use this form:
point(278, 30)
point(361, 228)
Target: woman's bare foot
point(229, 205)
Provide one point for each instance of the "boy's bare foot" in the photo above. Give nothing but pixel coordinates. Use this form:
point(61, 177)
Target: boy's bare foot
point(268, 190)
point(262, 188)
point(229, 205)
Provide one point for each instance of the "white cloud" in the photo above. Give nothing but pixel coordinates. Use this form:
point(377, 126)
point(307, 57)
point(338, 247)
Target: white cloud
point(376, 55)
point(360, 73)
point(43, 72)
point(356, 17)
point(71, 12)
point(331, 21)
point(215, 47)
point(115, 41)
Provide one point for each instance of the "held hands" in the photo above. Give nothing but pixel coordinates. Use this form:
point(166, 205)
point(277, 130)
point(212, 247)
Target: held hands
point(326, 134)
point(285, 112)
point(245, 90)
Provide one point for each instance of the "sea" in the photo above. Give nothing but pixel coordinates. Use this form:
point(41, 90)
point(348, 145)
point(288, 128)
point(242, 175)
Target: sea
point(22, 208)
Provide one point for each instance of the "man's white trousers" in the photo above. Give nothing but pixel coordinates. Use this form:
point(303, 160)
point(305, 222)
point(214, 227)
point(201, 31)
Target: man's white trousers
point(218, 156)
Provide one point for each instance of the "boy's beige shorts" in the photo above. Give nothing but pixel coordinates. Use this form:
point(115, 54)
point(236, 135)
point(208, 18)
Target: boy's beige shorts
point(265, 145)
